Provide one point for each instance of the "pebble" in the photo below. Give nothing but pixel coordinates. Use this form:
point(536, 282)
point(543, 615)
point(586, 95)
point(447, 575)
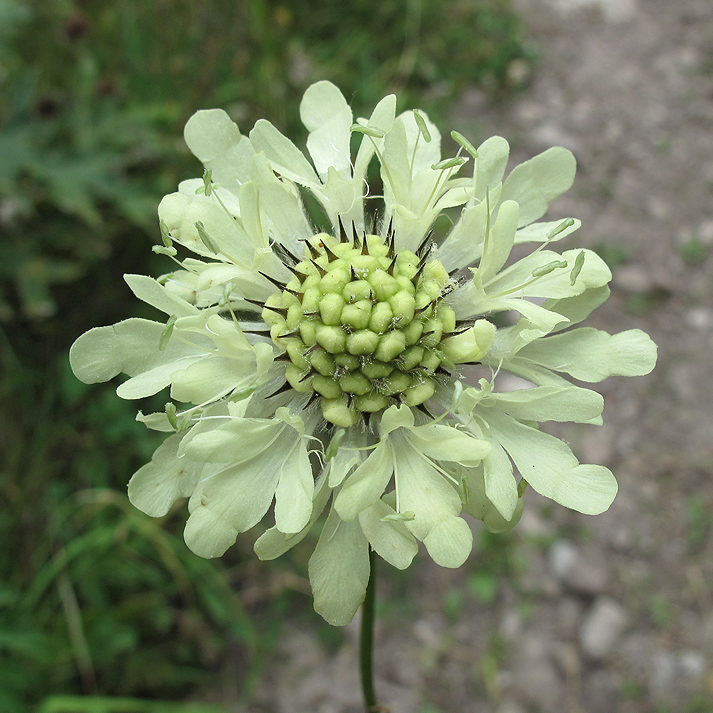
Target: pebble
point(603, 625)
point(536, 678)
point(584, 575)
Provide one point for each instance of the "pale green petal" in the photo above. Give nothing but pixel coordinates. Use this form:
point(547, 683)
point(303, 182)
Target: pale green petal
point(367, 483)
point(293, 496)
point(421, 489)
point(396, 417)
point(286, 220)
point(234, 441)
point(499, 483)
point(576, 309)
point(284, 156)
point(216, 141)
point(131, 347)
point(540, 232)
point(464, 244)
point(500, 241)
point(182, 213)
point(273, 543)
point(593, 355)
point(328, 118)
point(550, 467)
point(552, 403)
point(518, 278)
point(232, 502)
point(391, 540)
point(155, 294)
point(450, 542)
point(381, 118)
point(339, 570)
point(537, 182)
point(449, 444)
point(347, 459)
point(151, 381)
point(157, 485)
point(492, 159)
point(212, 377)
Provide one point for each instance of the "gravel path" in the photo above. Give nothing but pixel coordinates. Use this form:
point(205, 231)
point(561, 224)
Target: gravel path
point(613, 613)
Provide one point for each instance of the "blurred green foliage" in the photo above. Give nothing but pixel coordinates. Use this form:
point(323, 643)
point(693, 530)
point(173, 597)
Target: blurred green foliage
point(95, 598)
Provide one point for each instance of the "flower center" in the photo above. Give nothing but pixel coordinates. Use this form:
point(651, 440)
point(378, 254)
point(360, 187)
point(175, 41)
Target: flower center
point(363, 326)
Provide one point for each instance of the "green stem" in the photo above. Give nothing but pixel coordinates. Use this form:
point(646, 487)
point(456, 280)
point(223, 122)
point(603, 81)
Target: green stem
point(366, 639)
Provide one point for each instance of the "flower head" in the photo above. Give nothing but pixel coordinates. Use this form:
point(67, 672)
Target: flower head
point(359, 364)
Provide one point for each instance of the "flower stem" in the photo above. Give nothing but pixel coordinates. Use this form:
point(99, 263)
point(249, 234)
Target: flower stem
point(366, 639)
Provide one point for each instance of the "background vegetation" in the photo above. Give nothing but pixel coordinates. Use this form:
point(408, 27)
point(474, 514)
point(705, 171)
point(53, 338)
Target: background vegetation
point(95, 598)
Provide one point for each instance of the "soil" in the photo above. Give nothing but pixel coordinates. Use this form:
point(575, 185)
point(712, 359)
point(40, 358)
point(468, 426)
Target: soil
point(599, 614)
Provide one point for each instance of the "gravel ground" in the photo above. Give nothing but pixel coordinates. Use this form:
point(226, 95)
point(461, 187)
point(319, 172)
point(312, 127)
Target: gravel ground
point(609, 613)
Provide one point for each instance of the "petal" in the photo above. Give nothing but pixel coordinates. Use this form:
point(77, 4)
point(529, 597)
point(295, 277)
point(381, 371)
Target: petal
point(182, 213)
point(212, 377)
point(130, 347)
point(150, 291)
point(593, 355)
point(273, 543)
point(550, 467)
point(499, 242)
point(449, 444)
point(366, 484)
point(450, 542)
point(391, 540)
point(492, 159)
point(236, 441)
point(293, 496)
point(421, 489)
point(552, 403)
point(328, 118)
point(339, 570)
point(157, 485)
point(215, 140)
point(232, 502)
point(284, 156)
point(540, 232)
point(537, 182)
point(499, 482)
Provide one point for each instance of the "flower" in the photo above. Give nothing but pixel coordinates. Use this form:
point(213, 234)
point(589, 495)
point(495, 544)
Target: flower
point(345, 369)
